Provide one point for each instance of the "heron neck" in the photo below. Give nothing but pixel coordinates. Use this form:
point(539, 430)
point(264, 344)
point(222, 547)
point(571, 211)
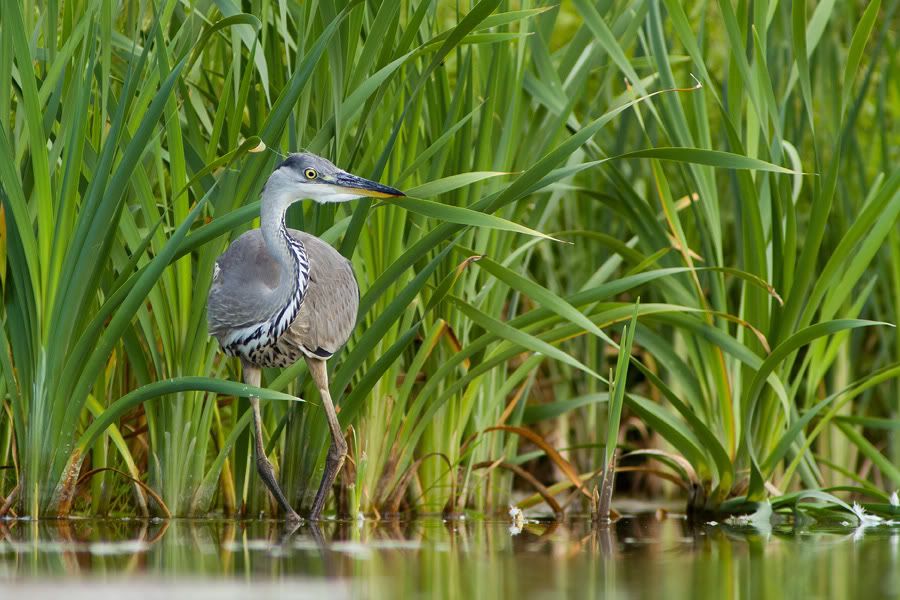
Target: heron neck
point(290, 253)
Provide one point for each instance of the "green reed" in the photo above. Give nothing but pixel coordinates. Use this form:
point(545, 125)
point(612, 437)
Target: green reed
point(730, 163)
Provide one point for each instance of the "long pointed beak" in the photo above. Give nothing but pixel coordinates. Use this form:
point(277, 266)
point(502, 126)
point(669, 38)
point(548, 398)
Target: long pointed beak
point(364, 187)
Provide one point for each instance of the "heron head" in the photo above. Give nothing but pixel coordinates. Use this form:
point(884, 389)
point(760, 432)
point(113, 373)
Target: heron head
point(306, 175)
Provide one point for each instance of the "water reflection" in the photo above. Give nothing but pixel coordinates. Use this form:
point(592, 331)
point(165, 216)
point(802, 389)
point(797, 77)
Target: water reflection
point(636, 557)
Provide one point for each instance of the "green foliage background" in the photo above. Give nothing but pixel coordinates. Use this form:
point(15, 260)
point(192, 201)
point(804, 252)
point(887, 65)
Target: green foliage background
point(731, 163)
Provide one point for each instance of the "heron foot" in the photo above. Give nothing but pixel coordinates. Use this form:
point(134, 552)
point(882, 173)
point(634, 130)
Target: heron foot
point(267, 474)
point(337, 453)
point(292, 518)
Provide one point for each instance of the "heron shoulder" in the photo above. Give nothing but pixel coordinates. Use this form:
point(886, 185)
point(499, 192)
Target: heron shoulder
point(243, 279)
point(247, 260)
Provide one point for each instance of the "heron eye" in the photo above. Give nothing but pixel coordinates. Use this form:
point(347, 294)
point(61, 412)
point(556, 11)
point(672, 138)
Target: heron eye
point(310, 173)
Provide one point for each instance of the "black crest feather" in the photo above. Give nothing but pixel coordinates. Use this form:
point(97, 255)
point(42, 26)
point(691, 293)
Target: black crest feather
point(294, 161)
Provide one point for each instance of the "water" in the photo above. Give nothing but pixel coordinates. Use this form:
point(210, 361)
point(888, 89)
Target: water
point(639, 557)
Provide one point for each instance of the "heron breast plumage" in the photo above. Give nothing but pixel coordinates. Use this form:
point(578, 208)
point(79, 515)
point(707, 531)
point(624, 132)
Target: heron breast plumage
point(251, 323)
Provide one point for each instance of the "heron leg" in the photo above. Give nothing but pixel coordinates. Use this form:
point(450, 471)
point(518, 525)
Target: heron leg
point(266, 471)
point(337, 451)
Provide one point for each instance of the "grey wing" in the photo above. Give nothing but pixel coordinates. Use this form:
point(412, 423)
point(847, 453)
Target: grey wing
point(241, 291)
point(328, 314)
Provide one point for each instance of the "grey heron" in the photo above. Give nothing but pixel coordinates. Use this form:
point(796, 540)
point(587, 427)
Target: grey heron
point(279, 295)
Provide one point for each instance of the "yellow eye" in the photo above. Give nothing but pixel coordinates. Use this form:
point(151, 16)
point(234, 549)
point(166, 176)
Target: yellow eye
point(310, 173)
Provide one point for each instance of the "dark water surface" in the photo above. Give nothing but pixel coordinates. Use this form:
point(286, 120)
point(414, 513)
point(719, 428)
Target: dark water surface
point(641, 557)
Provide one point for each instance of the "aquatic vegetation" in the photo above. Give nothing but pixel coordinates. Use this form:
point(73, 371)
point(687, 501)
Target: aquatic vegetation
point(730, 164)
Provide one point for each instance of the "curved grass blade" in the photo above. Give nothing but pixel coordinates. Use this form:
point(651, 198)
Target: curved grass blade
point(712, 158)
point(453, 182)
point(462, 216)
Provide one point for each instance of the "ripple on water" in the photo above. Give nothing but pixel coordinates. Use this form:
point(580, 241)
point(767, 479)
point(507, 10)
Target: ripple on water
point(647, 556)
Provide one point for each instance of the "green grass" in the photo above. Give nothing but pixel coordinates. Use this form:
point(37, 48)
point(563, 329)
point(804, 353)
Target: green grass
point(731, 163)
